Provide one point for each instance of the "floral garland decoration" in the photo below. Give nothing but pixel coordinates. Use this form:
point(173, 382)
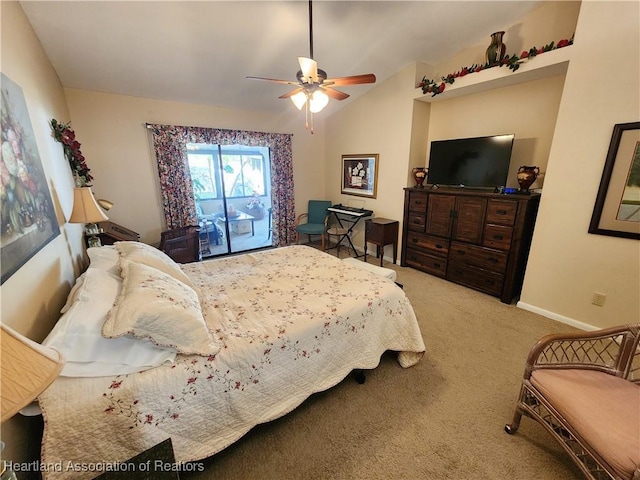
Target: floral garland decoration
point(513, 62)
point(63, 134)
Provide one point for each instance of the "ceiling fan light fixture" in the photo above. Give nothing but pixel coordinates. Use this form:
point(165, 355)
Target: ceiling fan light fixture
point(299, 99)
point(318, 101)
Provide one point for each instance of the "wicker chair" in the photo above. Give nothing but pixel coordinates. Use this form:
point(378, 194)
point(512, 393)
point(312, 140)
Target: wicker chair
point(584, 388)
point(182, 244)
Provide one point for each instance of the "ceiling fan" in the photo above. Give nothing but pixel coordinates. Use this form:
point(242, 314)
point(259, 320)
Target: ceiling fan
point(313, 88)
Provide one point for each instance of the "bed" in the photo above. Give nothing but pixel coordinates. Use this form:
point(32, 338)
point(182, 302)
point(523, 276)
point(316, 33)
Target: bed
point(279, 325)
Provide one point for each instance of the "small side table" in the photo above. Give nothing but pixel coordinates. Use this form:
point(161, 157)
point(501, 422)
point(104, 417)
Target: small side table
point(381, 232)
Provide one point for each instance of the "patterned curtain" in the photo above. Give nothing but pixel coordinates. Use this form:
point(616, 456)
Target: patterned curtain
point(170, 145)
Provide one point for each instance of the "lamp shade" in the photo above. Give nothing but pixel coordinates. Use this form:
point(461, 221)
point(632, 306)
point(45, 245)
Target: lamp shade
point(318, 101)
point(27, 369)
point(85, 207)
point(299, 99)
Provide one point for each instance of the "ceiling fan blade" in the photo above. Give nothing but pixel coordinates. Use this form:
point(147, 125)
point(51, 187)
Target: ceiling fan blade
point(353, 80)
point(275, 80)
point(309, 69)
point(292, 93)
point(335, 94)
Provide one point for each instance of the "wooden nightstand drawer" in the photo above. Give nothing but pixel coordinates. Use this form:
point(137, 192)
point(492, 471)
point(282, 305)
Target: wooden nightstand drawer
point(497, 236)
point(432, 245)
point(502, 212)
point(427, 263)
point(480, 257)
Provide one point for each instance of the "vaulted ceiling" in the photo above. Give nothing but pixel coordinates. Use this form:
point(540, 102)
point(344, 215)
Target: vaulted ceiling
point(201, 51)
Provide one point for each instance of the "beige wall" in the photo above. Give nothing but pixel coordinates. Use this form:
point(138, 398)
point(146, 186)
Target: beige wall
point(567, 265)
point(33, 296)
point(381, 125)
point(119, 150)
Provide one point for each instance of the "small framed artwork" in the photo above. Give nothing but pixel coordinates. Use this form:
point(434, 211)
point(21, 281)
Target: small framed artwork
point(617, 209)
point(360, 175)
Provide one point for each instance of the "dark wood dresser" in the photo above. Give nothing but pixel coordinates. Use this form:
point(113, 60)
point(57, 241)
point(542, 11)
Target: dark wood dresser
point(112, 232)
point(474, 238)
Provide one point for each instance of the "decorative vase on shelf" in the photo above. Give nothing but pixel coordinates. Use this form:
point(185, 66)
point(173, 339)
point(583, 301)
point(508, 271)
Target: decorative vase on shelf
point(497, 49)
point(526, 176)
point(419, 175)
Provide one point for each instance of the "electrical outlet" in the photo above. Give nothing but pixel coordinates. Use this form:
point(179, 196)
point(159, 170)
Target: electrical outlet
point(598, 299)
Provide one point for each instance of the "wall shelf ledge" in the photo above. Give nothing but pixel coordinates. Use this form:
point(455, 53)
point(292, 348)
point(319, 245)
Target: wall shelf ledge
point(544, 65)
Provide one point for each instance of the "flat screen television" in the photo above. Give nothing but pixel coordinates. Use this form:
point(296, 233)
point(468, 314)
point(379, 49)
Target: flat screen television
point(481, 162)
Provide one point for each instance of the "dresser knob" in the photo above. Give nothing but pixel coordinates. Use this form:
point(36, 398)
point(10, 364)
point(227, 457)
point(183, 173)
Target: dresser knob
point(501, 212)
point(498, 237)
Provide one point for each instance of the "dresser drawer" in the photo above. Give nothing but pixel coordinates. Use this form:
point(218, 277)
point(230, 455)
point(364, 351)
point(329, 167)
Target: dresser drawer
point(480, 257)
point(430, 244)
point(428, 263)
point(478, 278)
point(418, 202)
point(497, 236)
point(501, 212)
point(416, 222)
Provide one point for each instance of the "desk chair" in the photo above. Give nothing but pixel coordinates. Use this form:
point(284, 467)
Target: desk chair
point(317, 216)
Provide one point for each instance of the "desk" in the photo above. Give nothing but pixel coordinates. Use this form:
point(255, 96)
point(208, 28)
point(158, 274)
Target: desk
point(381, 232)
point(233, 222)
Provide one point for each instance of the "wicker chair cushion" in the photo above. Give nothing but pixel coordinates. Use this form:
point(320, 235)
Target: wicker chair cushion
point(603, 409)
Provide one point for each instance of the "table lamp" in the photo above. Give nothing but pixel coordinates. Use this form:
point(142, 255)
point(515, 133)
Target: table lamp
point(86, 210)
point(27, 369)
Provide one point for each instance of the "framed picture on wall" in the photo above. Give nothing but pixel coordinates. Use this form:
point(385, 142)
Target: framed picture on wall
point(360, 175)
point(28, 219)
point(617, 209)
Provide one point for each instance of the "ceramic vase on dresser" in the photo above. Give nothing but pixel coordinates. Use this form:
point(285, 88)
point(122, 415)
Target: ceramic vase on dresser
point(526, 176)
point(419, 175)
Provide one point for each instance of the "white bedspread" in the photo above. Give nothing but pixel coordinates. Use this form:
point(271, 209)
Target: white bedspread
point(294, 321)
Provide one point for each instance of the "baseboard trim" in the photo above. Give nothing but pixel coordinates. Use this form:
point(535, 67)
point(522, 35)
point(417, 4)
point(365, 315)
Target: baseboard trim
point(556, 316)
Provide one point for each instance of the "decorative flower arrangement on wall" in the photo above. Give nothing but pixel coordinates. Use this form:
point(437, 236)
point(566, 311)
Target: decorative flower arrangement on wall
point(512, 62)
point(63, 134)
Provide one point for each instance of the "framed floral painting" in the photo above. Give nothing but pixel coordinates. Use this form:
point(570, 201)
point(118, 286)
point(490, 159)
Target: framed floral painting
point(28, 219)
point(360, 175)
point(617, 209)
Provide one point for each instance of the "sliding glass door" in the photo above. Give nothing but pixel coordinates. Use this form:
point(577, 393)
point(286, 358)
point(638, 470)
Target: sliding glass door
point(232, 191)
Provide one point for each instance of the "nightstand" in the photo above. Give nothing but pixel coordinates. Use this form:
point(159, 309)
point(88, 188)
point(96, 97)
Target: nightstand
point(381, 232)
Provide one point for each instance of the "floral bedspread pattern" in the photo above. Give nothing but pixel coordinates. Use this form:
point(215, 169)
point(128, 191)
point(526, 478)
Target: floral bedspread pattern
point(293, 321)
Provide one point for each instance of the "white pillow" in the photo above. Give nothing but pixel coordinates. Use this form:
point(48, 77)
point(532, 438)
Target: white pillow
point(152, 257)
point(154, 305)
point(71, 298)
point(104, 258)
point(78, 334)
